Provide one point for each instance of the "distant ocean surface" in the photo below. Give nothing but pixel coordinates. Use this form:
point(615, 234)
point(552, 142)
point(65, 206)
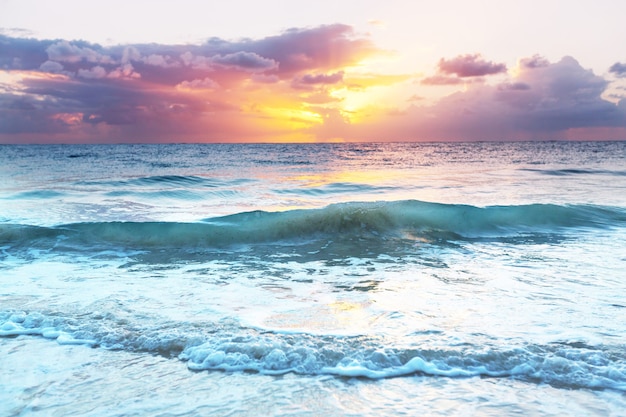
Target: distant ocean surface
point(470, 279)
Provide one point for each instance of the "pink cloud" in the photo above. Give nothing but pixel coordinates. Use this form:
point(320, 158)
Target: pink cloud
point(124, 71)
point(265, 78)
point(333, 78)
point(308, 81)
point(441, 80)
point(535, 61)
point(469, 66)
point(204, 84)
point(463, 69)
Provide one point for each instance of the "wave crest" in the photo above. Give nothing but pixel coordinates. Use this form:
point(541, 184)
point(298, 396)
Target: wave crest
point(409, 219)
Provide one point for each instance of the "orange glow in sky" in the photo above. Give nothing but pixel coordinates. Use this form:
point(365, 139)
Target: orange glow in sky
point(384, 79)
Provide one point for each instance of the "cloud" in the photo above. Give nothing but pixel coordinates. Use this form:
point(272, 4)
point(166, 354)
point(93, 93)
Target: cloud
point(204, 84)
point(618, 69)
point(301, 83)
point(294, 52)
point(65, 51)
point(249, 61)
point(552, 98)
point(543, 100)
point(124, 71)
point(513, 86)
point(161, 61)
point(415, 97)
point(51, 66)
point(23, 114)
point(441, 80)
point(535, 61)
point(92, 73)
point(333, 78)
point(123, 105)
point(469, 66)
point(265, 78)
point(22, 54)
point(17, 32)
point(308, 81)
point(328, 47)
point(129, 54)
point(209, 90)
point(463, 69)
point(198, 62)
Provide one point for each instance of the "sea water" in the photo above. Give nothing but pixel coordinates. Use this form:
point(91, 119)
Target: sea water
point(320, 279)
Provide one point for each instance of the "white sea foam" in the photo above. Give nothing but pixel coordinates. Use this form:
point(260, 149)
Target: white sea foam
point(235, 348)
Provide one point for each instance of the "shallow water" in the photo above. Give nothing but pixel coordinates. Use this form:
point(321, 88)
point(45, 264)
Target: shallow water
point(376, 279)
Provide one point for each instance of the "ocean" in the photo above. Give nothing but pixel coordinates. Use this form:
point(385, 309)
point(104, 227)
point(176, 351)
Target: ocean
point(439, 279)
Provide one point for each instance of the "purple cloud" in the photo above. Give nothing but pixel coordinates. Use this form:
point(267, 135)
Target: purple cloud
point(64, 51)
point(542, 100)
point(618, 69)
point(293, 51)
point(322, 78)
point(308, 81)
point(249, 61)
point(20, 53)
point(322, 48)
point(469, 66)
point(515, 86)
point(535, 61)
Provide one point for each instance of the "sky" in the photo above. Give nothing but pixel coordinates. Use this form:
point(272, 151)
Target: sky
point(323, 71)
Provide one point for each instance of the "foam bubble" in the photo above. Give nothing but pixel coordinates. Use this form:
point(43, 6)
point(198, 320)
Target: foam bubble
point(235, 348)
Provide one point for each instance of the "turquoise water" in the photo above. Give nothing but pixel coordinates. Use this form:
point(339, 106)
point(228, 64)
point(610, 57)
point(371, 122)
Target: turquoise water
point(343, 279)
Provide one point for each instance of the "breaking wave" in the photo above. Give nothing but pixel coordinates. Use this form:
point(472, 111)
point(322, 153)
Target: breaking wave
point(408, 219)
